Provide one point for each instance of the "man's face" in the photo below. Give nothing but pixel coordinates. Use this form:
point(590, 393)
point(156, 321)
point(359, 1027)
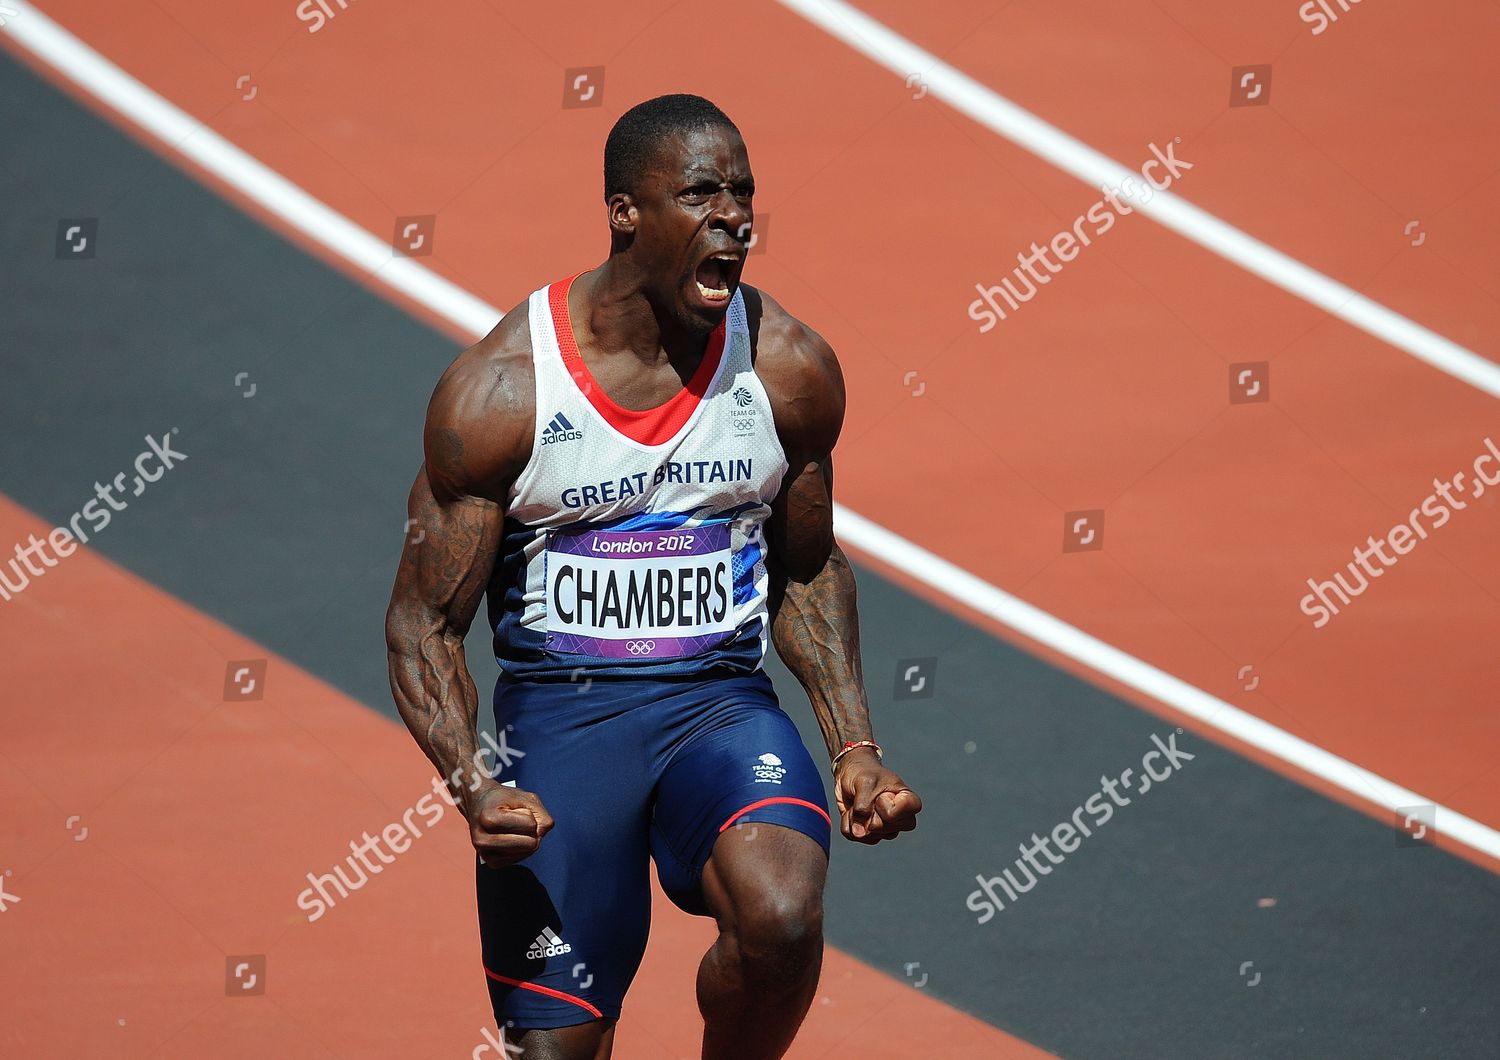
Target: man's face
point(692, 221)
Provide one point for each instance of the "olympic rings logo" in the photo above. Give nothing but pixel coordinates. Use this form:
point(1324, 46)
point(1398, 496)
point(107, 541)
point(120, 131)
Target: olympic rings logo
point(640, 647)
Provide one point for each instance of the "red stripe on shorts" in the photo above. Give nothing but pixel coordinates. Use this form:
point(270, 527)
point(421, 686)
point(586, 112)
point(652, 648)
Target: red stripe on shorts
point(767, 802)
point(545, 990)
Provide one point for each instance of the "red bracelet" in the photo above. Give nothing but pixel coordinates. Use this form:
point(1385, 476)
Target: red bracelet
point(851, 745)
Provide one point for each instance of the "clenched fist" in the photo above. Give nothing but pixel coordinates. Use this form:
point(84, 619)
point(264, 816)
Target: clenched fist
point(874, 803)
point(506, 825)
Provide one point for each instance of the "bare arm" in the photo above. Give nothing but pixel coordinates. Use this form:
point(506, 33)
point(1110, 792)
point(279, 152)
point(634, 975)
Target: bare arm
point(444, 569)
point(816, 627)
point(478, 436)
point(815, 622)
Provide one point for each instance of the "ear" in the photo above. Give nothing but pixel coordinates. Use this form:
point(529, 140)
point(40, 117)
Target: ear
point(623, 215)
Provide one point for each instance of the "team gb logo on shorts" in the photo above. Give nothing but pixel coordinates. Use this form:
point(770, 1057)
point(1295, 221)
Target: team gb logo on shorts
point(769, 769)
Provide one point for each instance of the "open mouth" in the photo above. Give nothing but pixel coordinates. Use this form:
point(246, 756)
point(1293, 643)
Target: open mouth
point(714, 275)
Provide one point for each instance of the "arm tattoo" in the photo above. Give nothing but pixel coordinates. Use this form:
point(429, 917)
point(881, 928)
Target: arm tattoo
point(438, 589)
point(816, 633)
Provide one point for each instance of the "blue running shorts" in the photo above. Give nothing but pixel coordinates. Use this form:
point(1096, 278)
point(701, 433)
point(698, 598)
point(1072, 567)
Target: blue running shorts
point(630, 769)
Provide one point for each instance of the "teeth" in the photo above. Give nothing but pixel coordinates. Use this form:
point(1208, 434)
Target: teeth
point(713, 294)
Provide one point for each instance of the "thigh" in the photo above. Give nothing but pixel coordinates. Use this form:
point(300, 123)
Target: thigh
point(590, 1041)
point(769, 880)
point(742, 768)
point(563, 931)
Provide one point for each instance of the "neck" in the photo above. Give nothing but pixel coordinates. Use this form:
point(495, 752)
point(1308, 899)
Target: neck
point(621, 316)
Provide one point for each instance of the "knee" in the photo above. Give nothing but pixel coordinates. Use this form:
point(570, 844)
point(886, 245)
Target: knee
point(781, 932)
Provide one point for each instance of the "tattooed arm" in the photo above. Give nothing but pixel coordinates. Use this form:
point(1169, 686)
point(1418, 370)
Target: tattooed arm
point(478, 437)
point(815, 624)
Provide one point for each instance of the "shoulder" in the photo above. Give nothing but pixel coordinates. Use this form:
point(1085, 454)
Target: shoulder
point(480, 421)
point(801, 375)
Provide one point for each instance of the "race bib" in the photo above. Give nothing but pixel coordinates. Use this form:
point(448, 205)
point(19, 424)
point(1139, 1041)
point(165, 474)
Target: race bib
point(635, 594)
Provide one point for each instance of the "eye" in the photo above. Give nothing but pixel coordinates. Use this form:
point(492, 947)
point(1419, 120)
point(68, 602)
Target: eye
point(699, 194)
point(744, 192)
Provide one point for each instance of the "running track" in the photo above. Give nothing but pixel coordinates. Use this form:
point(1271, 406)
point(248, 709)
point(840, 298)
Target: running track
point(1108, 391)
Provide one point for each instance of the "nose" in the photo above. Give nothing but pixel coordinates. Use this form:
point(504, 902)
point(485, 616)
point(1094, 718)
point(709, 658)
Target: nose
point(731, 215)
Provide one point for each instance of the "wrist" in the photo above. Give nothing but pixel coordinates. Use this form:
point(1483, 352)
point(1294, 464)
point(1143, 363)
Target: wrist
point(469, 798)
point(859, 750)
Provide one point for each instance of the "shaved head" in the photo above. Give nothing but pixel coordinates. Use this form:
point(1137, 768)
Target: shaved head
point(633, 142)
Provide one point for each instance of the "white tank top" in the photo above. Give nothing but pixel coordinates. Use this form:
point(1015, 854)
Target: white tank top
point(634, 541)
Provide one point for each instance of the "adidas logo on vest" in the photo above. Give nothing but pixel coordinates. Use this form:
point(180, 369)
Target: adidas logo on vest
point(559, 430)
point(548, 944)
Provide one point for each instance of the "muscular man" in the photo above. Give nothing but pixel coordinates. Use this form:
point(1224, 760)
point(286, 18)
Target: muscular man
point(634, 466)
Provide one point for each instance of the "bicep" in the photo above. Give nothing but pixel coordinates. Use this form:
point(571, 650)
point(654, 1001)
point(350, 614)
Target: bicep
point(802, 521)
point(807, 395)
point(477, 433)
point(448, 555)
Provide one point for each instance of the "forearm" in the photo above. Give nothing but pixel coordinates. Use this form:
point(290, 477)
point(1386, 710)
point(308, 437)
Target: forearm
point(816, 633)
point(437, 698)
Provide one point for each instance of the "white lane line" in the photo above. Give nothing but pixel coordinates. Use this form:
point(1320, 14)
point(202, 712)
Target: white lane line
point(321, 223)
point(987, 107)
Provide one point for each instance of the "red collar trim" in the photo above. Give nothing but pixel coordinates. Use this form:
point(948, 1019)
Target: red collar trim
point(646, 426)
